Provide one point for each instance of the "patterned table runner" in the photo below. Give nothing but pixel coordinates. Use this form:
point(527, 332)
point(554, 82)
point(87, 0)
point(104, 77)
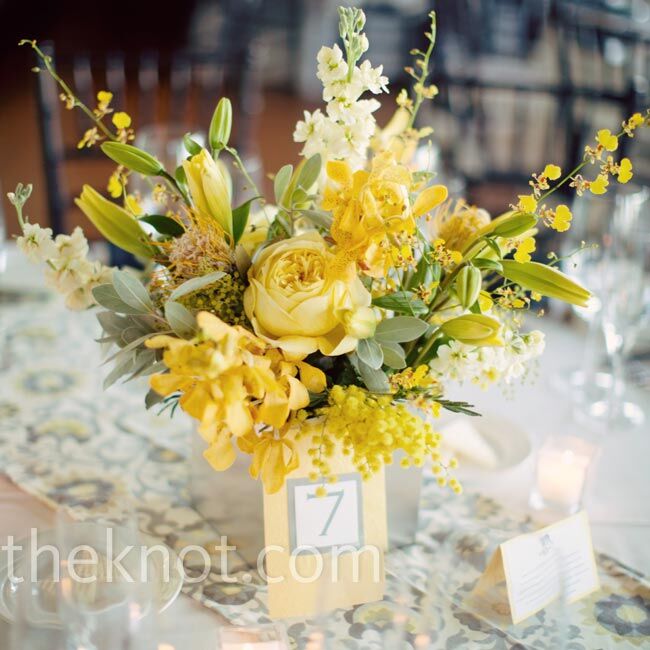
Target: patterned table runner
point(69, 443)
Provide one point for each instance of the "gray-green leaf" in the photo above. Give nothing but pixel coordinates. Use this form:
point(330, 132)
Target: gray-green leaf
point(195, 284)
point(369, 352)
point(319, 218)
point(281, 181)
point(400, 329)
point(132, 292)
point(106, 296)
point(309, 172)
point(180, 319)
point(401, 301)
point(374, 379)
point(394, 356)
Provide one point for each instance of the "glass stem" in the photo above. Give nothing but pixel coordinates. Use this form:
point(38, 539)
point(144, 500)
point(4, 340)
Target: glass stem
point(613, 341)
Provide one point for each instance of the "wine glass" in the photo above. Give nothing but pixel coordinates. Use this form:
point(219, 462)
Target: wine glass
point(105, 595)
point(612, 267)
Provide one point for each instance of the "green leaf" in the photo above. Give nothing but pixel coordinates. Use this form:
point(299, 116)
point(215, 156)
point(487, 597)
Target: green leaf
point(404, 302)
point(299, 196)
point(195, 284)
point(374, 380)
point(191, 146)
point(180, 176)
point(309, 173)
point(106, 296)
point(319, 218)
point(111, 323)
point(123, 367)
point(240, 219)
point(484, 263)
point(394, 356)
point(127, 349)
point(163, 224)
point(180, 319)
point(143, 360)
point(281, 181)
point(370, 353)
point(152, 398)
point(400, 329)
point(132, 292)
point(494, 246)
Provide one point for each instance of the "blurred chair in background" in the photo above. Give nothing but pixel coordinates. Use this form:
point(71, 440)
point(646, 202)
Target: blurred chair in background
point(546, 73)
point(168, 93)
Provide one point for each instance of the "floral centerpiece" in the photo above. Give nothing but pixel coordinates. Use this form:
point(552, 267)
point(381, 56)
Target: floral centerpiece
point(339, 310)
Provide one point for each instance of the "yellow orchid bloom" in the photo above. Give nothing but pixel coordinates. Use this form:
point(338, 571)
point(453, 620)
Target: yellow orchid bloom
point(524, 249)
point(625, 170)
point(599, 185)
point(607, 139)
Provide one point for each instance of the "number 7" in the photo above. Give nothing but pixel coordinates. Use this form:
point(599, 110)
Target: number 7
point(339, 497)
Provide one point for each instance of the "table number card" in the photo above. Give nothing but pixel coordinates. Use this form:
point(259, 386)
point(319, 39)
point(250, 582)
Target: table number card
point(340, 538)
point(539, 567)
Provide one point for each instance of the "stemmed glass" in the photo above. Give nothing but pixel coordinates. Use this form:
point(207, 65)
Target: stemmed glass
point(612, 267)
point(105, 597)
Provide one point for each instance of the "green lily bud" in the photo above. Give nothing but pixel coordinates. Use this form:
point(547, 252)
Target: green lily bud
point(221, 125)
point(507, 225)
point(473, 329)
point(545, 280)
point(513, 224)
point(132, 158)
point(468, 285)
point(115, 223)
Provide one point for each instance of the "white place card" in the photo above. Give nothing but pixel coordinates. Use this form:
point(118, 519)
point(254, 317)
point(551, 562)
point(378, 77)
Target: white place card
point(540, 567)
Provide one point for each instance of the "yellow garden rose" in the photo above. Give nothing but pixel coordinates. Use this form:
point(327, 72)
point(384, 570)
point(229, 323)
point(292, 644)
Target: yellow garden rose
point(296, 302)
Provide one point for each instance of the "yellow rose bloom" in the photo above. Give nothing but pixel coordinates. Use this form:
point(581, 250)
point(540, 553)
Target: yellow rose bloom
point(297, 302)
point(209, 188)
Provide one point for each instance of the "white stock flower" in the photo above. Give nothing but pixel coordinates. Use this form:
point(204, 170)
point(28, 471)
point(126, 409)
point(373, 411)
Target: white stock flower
point(82, 297)
point(371, 78)
point(331, 64)
point(68, 275)
point(345, 129)
point(71, 247)
point(36, 243)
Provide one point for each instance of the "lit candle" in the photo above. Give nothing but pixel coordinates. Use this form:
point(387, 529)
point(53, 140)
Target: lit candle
point(265, 637)
point(562, 466)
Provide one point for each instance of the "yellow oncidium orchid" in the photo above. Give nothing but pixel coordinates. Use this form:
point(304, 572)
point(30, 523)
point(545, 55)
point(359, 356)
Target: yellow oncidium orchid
point(625, 170)
point(373, 215)
point(524, 249)
point(234, 383)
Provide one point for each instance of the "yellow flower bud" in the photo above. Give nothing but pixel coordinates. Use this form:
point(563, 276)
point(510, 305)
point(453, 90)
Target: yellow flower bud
point(115, 223)
point(209, 188)
point(473, 329)
point(360, 323)
point(468, 285)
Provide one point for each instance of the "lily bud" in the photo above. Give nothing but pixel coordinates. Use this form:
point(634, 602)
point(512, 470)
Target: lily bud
point(132, 158)
point(473, 329)
point(545, 280)
point(468, 285)
point(221, 125)
point(209, 188)
point(360, 323)
point(115, 223)
point(507, 225)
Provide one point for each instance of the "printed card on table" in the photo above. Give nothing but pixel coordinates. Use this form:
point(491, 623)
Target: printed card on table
point(540, 567)
point(340, 538)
